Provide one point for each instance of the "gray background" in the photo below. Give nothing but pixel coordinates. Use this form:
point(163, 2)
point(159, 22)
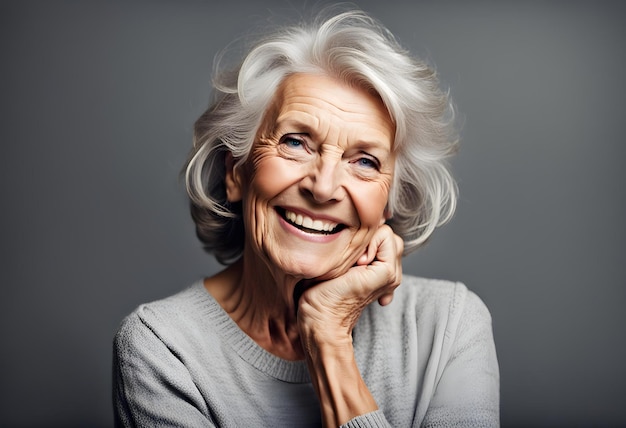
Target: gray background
point(98, 102)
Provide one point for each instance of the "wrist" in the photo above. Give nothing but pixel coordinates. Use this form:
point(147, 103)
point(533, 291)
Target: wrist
point(341, 390)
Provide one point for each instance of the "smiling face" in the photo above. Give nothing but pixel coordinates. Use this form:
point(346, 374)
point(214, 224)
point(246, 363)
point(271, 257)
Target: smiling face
point(315, 186)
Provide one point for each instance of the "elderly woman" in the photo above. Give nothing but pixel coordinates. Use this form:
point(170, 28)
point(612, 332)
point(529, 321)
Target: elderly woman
point(319, 164)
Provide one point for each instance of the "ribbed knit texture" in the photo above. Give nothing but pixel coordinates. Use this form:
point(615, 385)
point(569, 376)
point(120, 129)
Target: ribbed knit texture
point(428, 359)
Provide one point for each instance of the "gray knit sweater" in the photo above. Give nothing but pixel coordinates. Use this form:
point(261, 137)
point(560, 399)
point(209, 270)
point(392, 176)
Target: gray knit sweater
point(428, 359)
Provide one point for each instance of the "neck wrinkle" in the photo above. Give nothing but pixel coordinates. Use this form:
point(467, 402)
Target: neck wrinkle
point(261, 304)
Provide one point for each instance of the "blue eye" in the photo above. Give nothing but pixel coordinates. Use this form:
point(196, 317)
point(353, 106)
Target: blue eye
point(292, 142)
point(367, 163)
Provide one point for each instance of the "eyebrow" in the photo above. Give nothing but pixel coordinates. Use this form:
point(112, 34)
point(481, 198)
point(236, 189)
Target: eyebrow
point(289, 120)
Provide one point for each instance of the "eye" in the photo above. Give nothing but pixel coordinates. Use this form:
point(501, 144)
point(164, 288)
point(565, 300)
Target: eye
point(295, 147)
point(292, 142)
point(367, 162)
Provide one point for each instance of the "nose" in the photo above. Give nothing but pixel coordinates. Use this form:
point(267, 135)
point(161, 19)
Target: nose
point(323, 182)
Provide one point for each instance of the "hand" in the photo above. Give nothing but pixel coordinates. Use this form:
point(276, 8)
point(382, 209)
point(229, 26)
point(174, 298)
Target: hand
point(327, 313)
point(334, 306)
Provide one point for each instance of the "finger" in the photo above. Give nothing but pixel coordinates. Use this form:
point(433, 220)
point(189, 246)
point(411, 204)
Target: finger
point(385, 299)
point(384, 245)
point(399, 245)
point(370, 251)
point(389, 256)
point(364, 259)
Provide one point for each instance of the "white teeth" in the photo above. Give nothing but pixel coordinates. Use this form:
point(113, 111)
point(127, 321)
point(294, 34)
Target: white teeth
point(309, 223)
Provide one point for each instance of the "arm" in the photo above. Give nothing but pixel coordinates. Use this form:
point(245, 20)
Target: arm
point(327, 314)
point(151, 386)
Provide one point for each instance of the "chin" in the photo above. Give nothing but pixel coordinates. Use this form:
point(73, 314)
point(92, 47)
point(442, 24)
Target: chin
point(305, 271)
point(314, 268)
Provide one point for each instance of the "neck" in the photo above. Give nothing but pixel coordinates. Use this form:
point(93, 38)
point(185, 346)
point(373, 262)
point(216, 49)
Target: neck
point(261, 303)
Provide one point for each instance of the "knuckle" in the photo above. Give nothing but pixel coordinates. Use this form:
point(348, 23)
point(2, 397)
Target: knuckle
point(391, 274)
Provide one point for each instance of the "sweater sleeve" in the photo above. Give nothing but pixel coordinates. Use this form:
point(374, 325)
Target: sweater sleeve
point(467, 393)
point(369, 420)
point(152, 387)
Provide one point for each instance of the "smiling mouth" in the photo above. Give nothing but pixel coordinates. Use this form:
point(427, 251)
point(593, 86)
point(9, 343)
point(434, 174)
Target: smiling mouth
point(309, 225)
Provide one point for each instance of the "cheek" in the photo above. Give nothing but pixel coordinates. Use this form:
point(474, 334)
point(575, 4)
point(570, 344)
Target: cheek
point(370, 201)
point(273, 175)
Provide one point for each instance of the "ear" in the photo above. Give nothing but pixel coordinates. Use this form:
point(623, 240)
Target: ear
point(232, 179)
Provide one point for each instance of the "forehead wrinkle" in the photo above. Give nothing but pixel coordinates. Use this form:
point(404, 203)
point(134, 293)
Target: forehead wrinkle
point(296, 86)
point(302, 121)
point(326, 115)
point(350, 111)
point(331, 150)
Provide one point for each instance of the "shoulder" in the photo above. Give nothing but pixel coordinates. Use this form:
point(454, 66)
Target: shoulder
point(441, 300)
point(154, 359)
point(427, 308)
point(176, 316)
point(435, 315)
point(435, 337)
point(431, 350)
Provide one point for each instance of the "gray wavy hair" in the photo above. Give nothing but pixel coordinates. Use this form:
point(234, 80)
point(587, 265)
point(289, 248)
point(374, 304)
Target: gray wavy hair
point(355, 48)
